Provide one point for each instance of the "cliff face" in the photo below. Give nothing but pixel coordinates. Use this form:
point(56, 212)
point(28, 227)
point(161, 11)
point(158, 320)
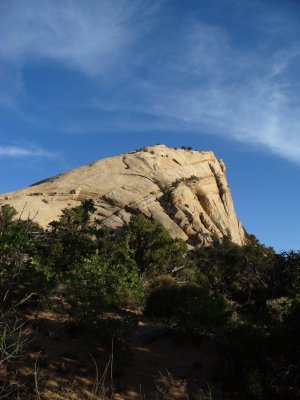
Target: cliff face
point(185, 190)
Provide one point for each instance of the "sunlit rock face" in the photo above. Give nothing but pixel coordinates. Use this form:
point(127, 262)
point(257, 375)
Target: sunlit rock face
point(185, 190)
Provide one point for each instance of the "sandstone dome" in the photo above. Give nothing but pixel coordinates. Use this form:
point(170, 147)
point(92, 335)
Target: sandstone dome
point(185, 190)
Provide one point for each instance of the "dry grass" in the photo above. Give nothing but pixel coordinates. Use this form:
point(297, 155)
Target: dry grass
point(170, 388)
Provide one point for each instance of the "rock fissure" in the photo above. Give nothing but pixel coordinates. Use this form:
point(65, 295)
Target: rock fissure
point(220, 186)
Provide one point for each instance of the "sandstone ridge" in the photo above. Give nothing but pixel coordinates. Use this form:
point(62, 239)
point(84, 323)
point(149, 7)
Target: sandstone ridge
point(185, 190)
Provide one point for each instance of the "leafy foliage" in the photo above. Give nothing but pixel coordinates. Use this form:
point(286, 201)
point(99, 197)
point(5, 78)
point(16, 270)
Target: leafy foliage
point(241, 273)
point(22, 272)
point(156, 252)
point(70, 238)
point(200, 311)
point(163, 298)
point(193, 308)
point(286, 276)
point(101, 283)
point(257, 336)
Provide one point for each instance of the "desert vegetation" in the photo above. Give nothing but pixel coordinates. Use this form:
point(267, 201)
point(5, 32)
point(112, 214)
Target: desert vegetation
point(89, 289)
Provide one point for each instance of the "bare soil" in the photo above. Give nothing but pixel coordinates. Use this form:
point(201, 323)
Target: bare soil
point(155, 362)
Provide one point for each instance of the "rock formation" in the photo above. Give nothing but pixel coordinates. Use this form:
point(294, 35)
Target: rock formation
point(185, 190)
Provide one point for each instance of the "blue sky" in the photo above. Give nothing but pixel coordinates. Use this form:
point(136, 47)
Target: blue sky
point(81, 80)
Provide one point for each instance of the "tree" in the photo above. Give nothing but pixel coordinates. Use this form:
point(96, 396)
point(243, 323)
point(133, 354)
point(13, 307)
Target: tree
point(22, 271)
point(155, 251)
point(70, 238)
point(101, 283)
point(242, 273)
point(286, 275)
point(7, 218)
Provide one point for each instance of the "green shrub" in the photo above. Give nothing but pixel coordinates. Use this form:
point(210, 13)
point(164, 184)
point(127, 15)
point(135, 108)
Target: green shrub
point(70, 239)
point(163, 298)
point(286, 274)
point(100, 283)
point(155, 251)
point(243, 353)
point(22, 271)
point(192, 307)
point(201, 311)
point(241, 273)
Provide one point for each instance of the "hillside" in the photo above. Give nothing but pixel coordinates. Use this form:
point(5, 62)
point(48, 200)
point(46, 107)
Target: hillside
point(91, 313)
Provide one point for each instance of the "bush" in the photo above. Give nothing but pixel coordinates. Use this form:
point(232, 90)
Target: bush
point(192, 307)
point(201, 311)
point(242, 359)
point(286, 275)
point(70, 239)
point(262, 362)
point(100, 283)
point(156, 252)
point(241, 273)
point(22, 271)
point(163, 299)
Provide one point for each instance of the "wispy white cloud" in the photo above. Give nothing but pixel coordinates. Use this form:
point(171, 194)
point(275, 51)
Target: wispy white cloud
point(89, 36)
point(207, 84)
point(19, 152)
point(198, 77)
point(213, 86)
point(93, 38)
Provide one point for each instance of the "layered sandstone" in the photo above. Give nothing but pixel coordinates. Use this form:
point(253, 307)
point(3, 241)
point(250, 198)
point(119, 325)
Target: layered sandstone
point(185, 190)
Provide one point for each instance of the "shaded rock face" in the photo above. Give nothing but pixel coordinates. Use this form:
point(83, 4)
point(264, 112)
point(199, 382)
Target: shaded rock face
point(185, 190)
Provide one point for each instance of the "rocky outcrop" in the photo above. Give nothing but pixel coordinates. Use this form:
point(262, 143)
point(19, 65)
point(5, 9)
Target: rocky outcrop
point(185, 190)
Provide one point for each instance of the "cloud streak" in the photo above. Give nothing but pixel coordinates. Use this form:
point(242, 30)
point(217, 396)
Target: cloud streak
point(93, 38)
point(253, 98)
point(193, 76)
point(89, 37)
point(207, 84)
point(20, 152)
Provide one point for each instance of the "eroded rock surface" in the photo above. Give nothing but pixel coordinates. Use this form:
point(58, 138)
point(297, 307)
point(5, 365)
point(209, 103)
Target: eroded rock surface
point(185, 190)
